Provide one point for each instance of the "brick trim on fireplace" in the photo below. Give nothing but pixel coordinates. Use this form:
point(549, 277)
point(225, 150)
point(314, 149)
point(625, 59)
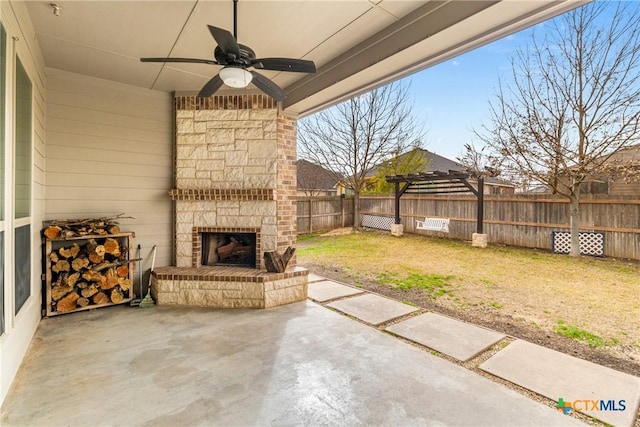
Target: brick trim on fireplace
point(196, 258)
point(287, 220)
point(222, 194)
point(226, 274)
point(225, 102)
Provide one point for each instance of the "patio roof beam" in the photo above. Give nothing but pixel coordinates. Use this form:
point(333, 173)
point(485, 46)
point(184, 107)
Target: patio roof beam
point(427, 20)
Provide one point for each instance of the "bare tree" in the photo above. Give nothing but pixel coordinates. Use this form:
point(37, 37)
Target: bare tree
point(354, 136)
point(573, 102)
point(478, 162)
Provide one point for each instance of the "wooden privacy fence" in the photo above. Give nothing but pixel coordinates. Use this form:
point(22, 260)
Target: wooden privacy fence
point(324, 213)
point(517, 220)
point(521, 220)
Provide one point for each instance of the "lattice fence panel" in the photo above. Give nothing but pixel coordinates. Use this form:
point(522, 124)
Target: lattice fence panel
point(591, 242)
point(377, 222)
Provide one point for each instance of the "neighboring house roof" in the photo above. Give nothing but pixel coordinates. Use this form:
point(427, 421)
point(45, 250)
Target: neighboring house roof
point(436, 162)
point(439, 163)
point(624, 157)
point(314, 177)
point(539, 189)
point(630, 153)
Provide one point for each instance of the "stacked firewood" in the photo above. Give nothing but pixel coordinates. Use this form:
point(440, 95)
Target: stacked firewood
point(88, 272)
point(68, 228)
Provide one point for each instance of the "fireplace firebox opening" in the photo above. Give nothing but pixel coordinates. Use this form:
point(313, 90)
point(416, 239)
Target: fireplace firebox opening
point(230, 249)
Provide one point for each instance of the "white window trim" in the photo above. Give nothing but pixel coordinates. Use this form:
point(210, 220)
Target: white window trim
point(20, 222)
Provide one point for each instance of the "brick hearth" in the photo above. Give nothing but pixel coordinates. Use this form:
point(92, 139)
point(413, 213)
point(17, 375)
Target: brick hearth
point(228, 287)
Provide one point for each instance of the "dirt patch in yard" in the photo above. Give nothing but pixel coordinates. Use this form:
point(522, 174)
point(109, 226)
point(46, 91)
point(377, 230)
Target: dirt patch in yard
point(585, 307)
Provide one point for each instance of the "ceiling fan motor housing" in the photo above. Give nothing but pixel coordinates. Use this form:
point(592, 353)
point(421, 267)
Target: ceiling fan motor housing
point(246, 56)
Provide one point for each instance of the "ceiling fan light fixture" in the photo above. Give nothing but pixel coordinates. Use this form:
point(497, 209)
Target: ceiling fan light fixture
point(235, 77)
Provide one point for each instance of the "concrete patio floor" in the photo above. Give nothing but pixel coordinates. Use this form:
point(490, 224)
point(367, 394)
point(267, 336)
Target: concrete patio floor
point(300, 364)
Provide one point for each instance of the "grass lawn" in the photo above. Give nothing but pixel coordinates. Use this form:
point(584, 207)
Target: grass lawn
point(594, 301)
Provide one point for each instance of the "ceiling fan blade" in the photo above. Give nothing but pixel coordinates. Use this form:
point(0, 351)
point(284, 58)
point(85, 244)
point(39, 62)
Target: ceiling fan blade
point(285, 64)
point(226, 41)
point(185, 60)
point(211, 86)
point(268, 87)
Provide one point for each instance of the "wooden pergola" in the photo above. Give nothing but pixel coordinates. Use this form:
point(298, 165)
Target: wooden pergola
point(438, 183)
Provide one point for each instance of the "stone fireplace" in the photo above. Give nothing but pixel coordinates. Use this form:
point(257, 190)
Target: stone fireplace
point(234, 199)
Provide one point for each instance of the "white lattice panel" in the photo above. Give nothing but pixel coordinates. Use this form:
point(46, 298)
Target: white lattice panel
point(591, 242)
point(377, 222)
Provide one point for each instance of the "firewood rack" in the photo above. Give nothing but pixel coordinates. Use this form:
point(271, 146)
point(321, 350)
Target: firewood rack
point(82, 283)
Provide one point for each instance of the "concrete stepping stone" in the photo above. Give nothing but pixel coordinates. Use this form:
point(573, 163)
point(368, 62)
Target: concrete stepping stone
point(576, 381)
point(315, 278)
point(327, 290)
point(372, 308)
point(454, 338)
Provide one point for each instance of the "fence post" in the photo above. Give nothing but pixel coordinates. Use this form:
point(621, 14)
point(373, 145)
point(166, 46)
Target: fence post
point(310, 216)
point(397, 204)
point(342, 208)
point(480, 218)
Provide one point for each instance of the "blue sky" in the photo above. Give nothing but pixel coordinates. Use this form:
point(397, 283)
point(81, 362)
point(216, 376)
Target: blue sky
point(452, 97)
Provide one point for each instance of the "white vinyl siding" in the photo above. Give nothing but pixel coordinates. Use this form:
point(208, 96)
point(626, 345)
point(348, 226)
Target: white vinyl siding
point(109, 151)
point(3, 74)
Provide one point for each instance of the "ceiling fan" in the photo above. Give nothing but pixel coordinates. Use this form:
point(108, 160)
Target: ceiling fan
point(236, 59)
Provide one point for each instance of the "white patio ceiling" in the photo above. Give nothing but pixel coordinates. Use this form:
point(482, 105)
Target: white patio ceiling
point(356, 44)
